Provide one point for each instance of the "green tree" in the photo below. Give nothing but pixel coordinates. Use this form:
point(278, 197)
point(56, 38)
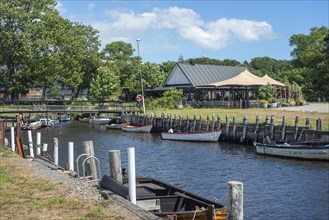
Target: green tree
point(310, 53)
point(106, 84)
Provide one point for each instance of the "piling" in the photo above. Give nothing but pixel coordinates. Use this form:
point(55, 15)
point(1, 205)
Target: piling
point(235, 200)
point(29, 135)
point(115, 165)
point(89, 149)
point(200, 125)
point(55, 151)
point(12, 138)
point(132, 175)
point(45, 150)
point(38, 143)
point(296, 127)
point(71, 156)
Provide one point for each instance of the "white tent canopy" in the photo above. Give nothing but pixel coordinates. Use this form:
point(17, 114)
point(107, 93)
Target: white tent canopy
point(272, 81)
point(245, 78)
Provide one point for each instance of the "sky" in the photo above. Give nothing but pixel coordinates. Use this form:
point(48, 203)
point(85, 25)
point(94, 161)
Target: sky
point(167, 30)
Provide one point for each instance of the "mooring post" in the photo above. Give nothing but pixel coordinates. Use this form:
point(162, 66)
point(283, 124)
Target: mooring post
point(161, 121)
point(283, 128)
point(296, 128)
point(187, 122)
point(45, 150)
point(89, 149)
point(234, 128)
point(71, 155)
point(170, 121)
point(219, 123)
point(175, 120)
point(3, 135)
point(227, 126)
point(244, 129)
point(213, 122)
point(55, 150)
point(132, 175)
point(318, 124)
point(180, 122)
point(272, 127)
point(115, 165)
point(194, 122)
point(39, 143)
point(307, 123)
point(207, 128)
point(31, 150)
point(12, 138)
point(235, 200)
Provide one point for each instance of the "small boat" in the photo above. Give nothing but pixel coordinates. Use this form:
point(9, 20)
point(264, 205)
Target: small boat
point(32, 125)
point(140, 129)
point(46, 122)
point(317, 151)
point(84, 120)
point(164, 200)
point(116, 126)
point(65, 118)
point(206, 136)
point(99, 121)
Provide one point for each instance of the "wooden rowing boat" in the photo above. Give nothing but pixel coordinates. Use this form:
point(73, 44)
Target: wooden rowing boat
point(307, 151)
point(140, 129)
point(165, 200)
point(206, 136)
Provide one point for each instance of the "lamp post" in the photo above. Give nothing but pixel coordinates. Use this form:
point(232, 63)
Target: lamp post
point(140, 72)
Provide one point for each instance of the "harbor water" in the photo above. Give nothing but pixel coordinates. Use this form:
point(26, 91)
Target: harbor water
point(274, 188)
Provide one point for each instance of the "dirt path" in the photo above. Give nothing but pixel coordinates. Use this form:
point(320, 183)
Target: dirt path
point(312, 107)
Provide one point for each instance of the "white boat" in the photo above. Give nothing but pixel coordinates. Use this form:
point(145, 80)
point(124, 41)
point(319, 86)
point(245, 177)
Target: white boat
point(46, 122)
point(65, 118)
point(140, 129)
point(99, 121)
point(298, 150)
point(32, 125)
point(116, 126)
point(205, 136)
point(84, 120)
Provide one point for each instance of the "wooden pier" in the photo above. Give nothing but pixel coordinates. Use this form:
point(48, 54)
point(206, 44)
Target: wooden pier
point(244, 132)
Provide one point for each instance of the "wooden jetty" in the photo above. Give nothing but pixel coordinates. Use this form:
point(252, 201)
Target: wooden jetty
point(244, 133)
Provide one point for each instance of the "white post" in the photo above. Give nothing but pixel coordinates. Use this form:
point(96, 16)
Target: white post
point(71, 156)
point(132, 174)
point(29, 134)
point(38, 143)
point(44, 150)
point(56, 151)
point(235, 200)
point(12, 132)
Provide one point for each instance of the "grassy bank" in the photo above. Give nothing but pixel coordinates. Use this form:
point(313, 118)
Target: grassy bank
point(251, 115)
point(26, 196)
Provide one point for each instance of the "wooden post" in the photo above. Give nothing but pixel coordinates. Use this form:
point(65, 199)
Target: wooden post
point(283, 128)
point(272, 127)
point(180, 122)
point(161, 122)
point(89, 149)
point(3, 136)
point(19, 147)
point(187, 122)
point(235, 200)
point(244, 129)
point(207, 128)
point(194, 122)
point(200, 124)
point(213, 122)
point(175, 121)
point(296, 127)
point(219, 123)
point(307, 123)
point(227, 126)
point(12, 136)
point(170, 121)
point(115, 165)
point(234, 128)
point(318, 124)
point(55, 150)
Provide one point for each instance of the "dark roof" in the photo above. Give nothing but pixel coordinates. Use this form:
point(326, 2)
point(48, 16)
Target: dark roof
point(203, 74)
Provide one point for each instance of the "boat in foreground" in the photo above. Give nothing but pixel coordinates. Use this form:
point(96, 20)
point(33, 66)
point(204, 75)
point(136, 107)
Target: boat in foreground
point(140, 129)
point(308, 151)
point(206, 136)
point(165, 200)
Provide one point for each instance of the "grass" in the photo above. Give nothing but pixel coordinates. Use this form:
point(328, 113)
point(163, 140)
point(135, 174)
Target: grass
point(251, 115)
point(26, 196)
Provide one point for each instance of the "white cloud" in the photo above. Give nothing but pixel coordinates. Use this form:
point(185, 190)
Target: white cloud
point(213, 35)
point(91, 6)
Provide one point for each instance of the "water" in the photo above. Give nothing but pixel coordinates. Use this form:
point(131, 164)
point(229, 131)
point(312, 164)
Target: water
point(274, 188)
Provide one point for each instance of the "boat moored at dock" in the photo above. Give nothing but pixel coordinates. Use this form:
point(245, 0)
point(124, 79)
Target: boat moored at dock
point(203, 136)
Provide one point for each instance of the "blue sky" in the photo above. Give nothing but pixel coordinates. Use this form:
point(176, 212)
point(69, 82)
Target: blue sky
point(239, 30)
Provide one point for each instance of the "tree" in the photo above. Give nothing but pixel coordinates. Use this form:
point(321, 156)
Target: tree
point(106, 84)
point(311, 55)
point(18, 19)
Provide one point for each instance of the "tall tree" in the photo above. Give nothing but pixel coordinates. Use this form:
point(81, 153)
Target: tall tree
point(310, 54)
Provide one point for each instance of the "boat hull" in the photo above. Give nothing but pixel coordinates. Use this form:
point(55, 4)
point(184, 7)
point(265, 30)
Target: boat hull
point(116, 126)
point(99, 121)
point(139, 129)
point(295, 151)
point(211, 136)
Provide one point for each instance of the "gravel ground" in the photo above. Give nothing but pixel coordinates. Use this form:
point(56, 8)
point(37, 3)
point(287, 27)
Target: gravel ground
point(312, 107)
